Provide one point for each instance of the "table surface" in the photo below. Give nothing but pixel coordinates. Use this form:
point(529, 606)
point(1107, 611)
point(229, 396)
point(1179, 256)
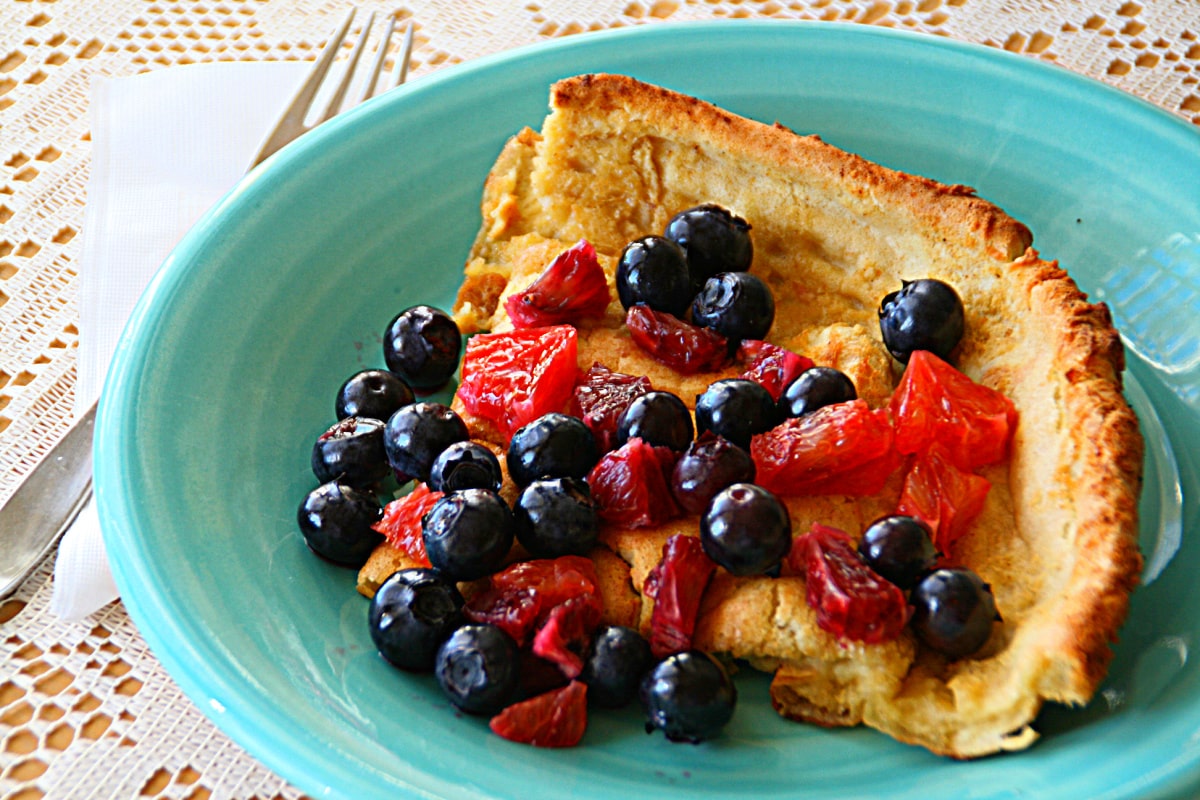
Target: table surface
point(85, 708)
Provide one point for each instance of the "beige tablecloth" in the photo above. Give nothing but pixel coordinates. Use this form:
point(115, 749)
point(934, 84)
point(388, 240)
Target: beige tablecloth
point(85, 709)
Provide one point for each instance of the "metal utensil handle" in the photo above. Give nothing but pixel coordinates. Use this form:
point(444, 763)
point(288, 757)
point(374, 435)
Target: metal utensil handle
point(48, 501)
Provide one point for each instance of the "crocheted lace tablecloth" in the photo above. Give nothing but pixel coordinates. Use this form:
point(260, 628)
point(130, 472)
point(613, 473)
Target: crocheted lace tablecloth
point(85, 708)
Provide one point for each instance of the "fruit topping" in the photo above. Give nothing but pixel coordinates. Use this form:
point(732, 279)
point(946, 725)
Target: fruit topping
point(676, 584)
point(632, 485)
point(770, 365)
point(513, 378)
point(947, 499)
point(654, 271)
point(556, 517)
point(571, 288)
point(924, 314)
point(934, 402)
point(466, 465)
point(352, 452)
point(816, 388)
point(900, 548)
point(735, 409)
point(518, 598)
point(852, 601)
point(467, 534)
point(411, 614)
point(618, 658)
point(953, 612)
point(552, 446)
point(684, 347)
point(737, 305)
point(563, 637)
point(422, 344)
point(601, 397)
point(417, 434)
point(557, 718)
point(713, 239)
point(846, 448)
point(401, 521)
point(746, 530)
point(478, 668)
point(374, 393)
point(708, 465)
point(337, 523)
point(689, 697)
point(657, 418)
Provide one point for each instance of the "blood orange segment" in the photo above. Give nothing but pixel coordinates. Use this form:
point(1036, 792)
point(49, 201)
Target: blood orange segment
point(401, 522)
point(851, 600)
point(600, 399)
point(934, 402)
point(844, 448)
point(515, 377)
point(945, 497)
point(771, 366)
point(632, 485)
point(563, 638)
point(557, 718)
point(677, 585)
point(684, 347)
point(519, 598)
point(570, 289)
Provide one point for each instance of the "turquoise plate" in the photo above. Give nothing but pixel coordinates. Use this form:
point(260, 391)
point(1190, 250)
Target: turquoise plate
point(228, 369)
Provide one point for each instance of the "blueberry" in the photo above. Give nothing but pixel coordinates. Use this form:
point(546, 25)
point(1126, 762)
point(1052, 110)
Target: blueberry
point(708, 466)
point(374, 393)
point(815, 388)
point(953, 611)
point(351, 451)
point(736, 409)
point(617, 660)
point(899, 548)
point(925, 314)
point(465, 465)
point(688, 696)
point(417, 434)
point(467, 534)
point(422, 345)
point(411, 614)
point(714, 240)
point(736, 305)
point(746, 530)
point(556, 517)
point(336, 521)
point(478, 668)
point(654, 271)
point(657, 418)
point(553, 446)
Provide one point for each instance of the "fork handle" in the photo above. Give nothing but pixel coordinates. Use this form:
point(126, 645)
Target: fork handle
point(45, 504)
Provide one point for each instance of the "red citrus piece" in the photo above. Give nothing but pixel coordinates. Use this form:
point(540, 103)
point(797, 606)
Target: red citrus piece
point(944, 496)
point(515, 377)
point(563, 638)
point(677, 585)
point(680, 345)
point(571, 288)
point(557, 718)
point(844, 448)
point(519, 598)
point(934, 402)
point(600, 399)
point(401, 522)
point(771, 366)
point(632, 485)
point(851, 600)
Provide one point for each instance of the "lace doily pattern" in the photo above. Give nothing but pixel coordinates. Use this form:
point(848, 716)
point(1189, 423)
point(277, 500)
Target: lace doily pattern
point(85, 709)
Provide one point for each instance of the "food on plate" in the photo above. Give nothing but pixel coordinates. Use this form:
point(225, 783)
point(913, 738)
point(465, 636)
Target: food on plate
point(947, 502)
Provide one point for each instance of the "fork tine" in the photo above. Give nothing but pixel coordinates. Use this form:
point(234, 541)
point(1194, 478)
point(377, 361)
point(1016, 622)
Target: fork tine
point(400, 70)
point(291, 122)
point(335, 102)
point(368, 87)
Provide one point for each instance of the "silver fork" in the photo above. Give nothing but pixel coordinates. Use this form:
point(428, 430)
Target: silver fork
point(292, 123)
point(56, 490)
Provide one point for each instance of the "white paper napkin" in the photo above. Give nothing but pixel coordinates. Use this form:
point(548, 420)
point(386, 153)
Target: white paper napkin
point(166, 145)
